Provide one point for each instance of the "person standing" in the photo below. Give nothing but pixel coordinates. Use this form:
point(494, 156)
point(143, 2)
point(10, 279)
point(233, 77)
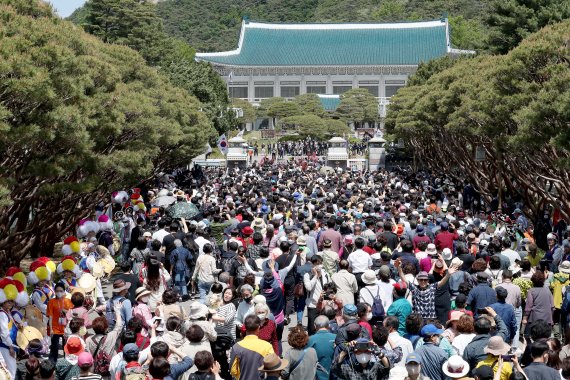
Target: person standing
point(323, 343)
point(56, 311)
point(204, 271)
point(359, 261)
point(430, 355)
point(538, 370)
point(506, 311)
point(246, 356)
point(346, 284)
point(314, 283)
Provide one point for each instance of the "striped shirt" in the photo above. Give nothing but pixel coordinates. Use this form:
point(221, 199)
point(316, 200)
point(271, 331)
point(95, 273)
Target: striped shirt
point(228, 312)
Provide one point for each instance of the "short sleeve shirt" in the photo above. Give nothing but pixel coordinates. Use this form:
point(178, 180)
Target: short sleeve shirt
point(56, 309)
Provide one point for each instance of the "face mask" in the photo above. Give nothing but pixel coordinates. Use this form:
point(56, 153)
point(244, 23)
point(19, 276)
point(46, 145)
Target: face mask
point(82, 331)
point(363, 358)
point(248, 299)
point(368, 316)
point(59, 294)
point(261, 316)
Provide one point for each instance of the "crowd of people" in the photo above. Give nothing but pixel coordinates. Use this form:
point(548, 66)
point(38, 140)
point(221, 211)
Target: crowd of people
point(302, 148)
point(295, 273)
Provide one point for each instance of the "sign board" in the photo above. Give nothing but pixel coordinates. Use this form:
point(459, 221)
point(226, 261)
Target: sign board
point(480, 153)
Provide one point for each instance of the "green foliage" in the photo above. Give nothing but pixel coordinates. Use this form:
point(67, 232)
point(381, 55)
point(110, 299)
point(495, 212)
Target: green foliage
point(427, 69)
point(513, 20)
point(215, 25)
point(315, 127)
point(310, 104)
point(135, 24)
point(358, 106)
point(513, 106)
point(249, 111)
point(283, 108)
point(79, 119)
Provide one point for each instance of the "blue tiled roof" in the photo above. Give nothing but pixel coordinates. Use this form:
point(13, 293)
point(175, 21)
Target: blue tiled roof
point(330, 103)
point(335, 44)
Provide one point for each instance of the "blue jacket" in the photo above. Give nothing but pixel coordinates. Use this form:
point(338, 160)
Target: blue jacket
point(507, 314)
point(323, 343)
point(480, 297)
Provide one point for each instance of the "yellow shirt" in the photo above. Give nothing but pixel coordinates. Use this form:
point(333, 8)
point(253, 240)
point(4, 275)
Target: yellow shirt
point(492, 361)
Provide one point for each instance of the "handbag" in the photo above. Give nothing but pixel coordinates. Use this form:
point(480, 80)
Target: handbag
point(299, 290)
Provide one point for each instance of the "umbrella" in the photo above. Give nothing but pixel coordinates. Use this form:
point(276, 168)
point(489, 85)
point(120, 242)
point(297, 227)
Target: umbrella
point(182, 210)
point(163, 201)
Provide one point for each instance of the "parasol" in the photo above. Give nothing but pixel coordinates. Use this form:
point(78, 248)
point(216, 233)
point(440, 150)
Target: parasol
point(163, 201)
point(182, 210)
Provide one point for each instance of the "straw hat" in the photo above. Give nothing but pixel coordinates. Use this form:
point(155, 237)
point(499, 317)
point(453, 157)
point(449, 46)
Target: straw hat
point(120, 285)
point(141, 292)
point(369, 277)
point(97, 270)
point(198, 310)
point(273, 363)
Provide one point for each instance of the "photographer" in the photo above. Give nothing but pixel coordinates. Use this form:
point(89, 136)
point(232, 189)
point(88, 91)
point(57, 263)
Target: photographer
point(363, 360)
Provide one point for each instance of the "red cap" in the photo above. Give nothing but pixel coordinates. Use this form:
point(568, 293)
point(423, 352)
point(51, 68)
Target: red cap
point(400, 285)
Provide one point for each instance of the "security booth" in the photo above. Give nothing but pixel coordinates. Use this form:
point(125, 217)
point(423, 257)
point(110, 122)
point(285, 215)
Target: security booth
point(376, 153)
point(237, 156)
point(337, 155)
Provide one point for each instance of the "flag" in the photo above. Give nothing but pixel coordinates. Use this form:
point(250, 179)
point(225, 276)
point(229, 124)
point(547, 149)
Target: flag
point(240, 133)
point(208, 149)
point(222, 144)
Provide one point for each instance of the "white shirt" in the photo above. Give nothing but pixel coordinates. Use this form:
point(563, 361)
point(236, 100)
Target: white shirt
point(461, 341)
point(368, 293)
point(512, 255)
point(405, 344)
point(359, 261)
point(201, 242)
point(159, 235)
point(387, 297)
point(314, 287)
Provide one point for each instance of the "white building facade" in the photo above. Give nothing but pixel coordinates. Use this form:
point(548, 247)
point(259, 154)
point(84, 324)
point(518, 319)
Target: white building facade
point(286, 60)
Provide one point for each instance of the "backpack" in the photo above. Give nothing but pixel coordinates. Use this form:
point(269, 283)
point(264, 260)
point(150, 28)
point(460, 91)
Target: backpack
point(226, 264)
point(566, 300)
point(136, 372)
point(101, 359)
point(377, 306)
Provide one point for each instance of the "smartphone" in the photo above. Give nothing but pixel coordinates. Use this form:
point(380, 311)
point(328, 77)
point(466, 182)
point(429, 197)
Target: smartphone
point(507, 358)
point(481, 311)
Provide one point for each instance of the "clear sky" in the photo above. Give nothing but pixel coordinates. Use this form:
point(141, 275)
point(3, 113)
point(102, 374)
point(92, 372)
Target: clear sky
point(66, 7)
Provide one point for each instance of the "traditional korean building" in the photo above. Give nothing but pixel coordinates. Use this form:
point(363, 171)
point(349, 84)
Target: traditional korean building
point(285, 60)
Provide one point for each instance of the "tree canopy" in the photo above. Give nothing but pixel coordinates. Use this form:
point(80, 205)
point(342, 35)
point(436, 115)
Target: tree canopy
point(512, 106)
point(78, 119)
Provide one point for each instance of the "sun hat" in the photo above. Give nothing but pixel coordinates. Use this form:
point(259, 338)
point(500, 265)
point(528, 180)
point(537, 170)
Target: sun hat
point(429, 330)
point(398, 373)
point(496, 346)
point(484, 243)
point(198, 310)
point(457, 262)
point(423, 275)
point(327, 243)
point(369, 277)
point(120, 285)
point(73, 346)
point(141, 292)
point(384, 270)
point(455, 367)
point(86, 282)
point(564, 267)
point(302, 241)
point(446, 253)
point(438, 267)
point(273, 363)
point(431, 250)
point(85, 359)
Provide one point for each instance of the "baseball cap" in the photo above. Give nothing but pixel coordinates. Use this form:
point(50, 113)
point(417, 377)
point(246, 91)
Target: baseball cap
point(431, 329)
point(131, 349)
point(412, 358)
point(85, 359)
point(385, 270)
point(400, 285)
point(349, 309)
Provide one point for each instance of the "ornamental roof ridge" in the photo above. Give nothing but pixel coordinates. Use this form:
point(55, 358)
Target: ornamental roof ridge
point(344, 25)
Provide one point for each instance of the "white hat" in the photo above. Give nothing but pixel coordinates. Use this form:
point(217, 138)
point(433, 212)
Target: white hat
point(455, 367)
point(457, 262)
point(431, 249)
point(446, 253)
point(369, 277)
point(198, 310)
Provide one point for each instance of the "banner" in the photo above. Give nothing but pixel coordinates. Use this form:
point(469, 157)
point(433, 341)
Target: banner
point(222, 144)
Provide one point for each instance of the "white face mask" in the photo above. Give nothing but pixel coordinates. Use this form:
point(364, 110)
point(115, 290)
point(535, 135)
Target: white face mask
point(261, 316)
point(60, 294)
point(368, 316)
point(363, 358)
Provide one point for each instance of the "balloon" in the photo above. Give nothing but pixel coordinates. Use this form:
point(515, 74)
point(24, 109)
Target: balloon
point(75, 246)
point(11, 292)
point(68, 265)
point(51, 266)
point(20, 277)
point(42, 273)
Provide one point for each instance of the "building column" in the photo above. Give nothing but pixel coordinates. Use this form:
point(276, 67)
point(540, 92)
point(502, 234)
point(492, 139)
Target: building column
point(250, 88)
point(329, 85)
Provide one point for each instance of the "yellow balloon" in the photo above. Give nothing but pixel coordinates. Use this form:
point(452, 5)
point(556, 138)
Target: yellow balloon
point(21, 277)
point(68, 265)
point(42, 273)
point(11, 292)
point(75, 246)
point(51, 265)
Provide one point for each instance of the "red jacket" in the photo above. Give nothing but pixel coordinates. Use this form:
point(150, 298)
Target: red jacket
point(445, 239)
